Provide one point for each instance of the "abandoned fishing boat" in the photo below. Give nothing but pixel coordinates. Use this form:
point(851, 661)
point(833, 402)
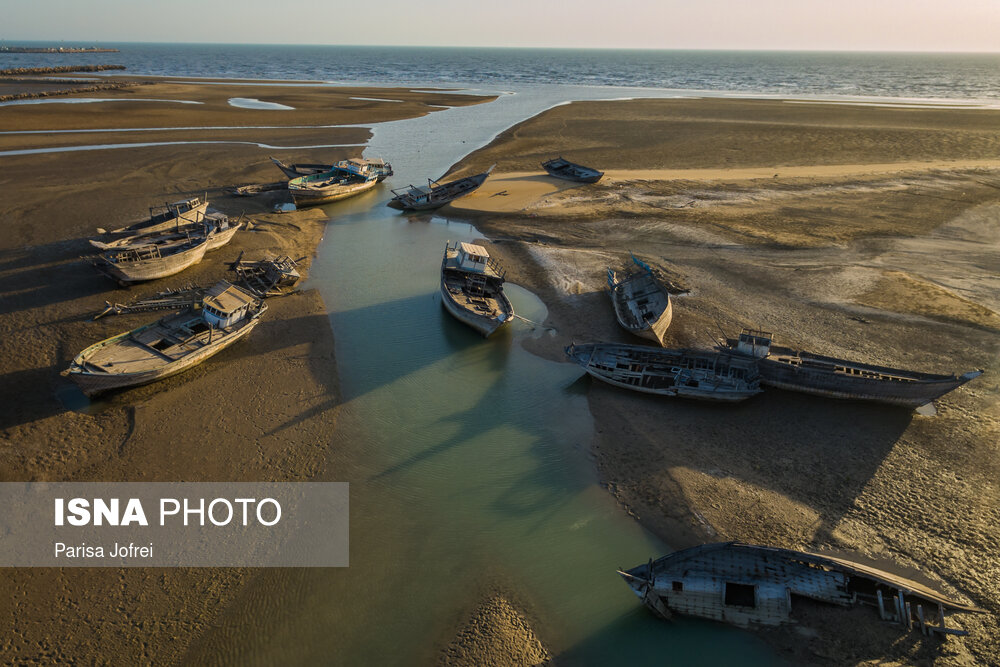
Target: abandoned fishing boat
point(170, 345)
point(745, 584)
point(642, 304)
point(271, 276)
point(698, 374)
point(377, 167)
point(569, 171)
point(148, 262)
point(217, 225)
point(790, 369)
point(339, 183)
point(164, 217)
point(435, 194)
point(472, 288)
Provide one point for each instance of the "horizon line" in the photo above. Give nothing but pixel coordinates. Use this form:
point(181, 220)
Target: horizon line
point(86, 43)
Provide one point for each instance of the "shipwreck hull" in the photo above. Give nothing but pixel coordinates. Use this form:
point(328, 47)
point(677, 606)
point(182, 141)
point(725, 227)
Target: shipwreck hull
point(307, 197)
point(93, 382)
point(154, 268)
point(484, 324)
point(719, 378)
point(639, 301)
point(906, 393)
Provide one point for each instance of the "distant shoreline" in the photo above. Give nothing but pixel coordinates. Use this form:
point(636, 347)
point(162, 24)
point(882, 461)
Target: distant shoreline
point(55, 49)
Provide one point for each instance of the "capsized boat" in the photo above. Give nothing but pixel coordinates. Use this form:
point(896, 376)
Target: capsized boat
point(435, 194)
point(700, 374)
point(472, 288)
point(746, 584)
point(165, 217)
point(339, 183)
point(642, 304)
point(570, 171)
point(790, 369)
point(217, 225)
point(378, 167)
point(170, 345)
point(156, 260)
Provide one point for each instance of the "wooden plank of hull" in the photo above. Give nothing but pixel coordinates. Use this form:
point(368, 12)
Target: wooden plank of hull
point(161, 267)
point(92, 383)
point(485, 325)
point(313, 197)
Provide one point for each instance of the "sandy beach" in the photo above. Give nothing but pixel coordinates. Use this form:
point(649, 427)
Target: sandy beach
point(868, 233)
point(863, 232)
point(263, 410)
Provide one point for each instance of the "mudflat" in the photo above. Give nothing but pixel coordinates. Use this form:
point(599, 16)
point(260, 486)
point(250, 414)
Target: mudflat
point(262, 410)
point(867, 232)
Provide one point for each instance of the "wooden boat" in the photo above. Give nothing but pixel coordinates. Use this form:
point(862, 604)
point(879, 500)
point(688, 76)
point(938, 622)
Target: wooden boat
point(436, 195)
point(334, 185)
point(217, 225)
point(271, 276)
point(165, 217)
point(790, 369)
point(747, 584)
point(377, 167)
point(569, 171)
point(698, 374)
point(170, 345)
point(149, 262)
point(642, 304)
point(472, 288)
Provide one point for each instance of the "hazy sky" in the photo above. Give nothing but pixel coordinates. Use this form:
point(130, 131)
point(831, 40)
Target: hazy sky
point(897, 25)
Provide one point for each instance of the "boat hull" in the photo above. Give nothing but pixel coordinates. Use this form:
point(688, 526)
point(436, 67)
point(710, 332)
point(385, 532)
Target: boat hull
point(485, 325)
point(438, 196)
point(93, 383)
point(623, 294)
point(911, 394)
point(194, 215)
point(152, 269)
point(315, 196)
point(569, 171)
point(661, 372)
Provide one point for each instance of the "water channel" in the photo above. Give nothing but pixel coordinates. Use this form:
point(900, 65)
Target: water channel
point(475, 474)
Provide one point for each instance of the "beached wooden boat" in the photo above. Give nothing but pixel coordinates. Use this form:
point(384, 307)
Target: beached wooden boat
point(338, 183)
point(170, 345)
point(699, 374)
point(747, 584)
point(790, 369)
point(569, 171)
point(217, 225)
point(271, 276)
point(436, 195)
point(642, 304)
point(149, 262)
point(472, 288)
point(376, 167)
point(164, 217)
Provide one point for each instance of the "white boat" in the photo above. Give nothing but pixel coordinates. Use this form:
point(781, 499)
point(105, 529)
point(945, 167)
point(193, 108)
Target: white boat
point(642, 304)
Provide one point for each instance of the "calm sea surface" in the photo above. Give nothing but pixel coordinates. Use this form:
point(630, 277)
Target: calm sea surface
point(947, 76)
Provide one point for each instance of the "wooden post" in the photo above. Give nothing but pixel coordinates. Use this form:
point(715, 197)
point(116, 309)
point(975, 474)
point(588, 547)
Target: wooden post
point(909, 617)
point(941, 616)
point(900, 607)
point(920, 616)
point(881, 604)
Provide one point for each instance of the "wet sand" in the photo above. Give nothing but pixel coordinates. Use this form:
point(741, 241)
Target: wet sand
point(262, 410)
point(862, 232)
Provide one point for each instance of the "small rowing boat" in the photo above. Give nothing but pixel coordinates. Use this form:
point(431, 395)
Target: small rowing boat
point(569, 171)
point(642, 304)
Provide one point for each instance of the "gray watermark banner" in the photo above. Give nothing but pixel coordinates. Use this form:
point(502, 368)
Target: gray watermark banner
point(174, 524)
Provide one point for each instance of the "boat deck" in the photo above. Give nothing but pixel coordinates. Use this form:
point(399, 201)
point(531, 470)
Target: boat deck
point(149, 349)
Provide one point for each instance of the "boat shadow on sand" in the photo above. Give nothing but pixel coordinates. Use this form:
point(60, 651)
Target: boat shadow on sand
point(820, 454)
